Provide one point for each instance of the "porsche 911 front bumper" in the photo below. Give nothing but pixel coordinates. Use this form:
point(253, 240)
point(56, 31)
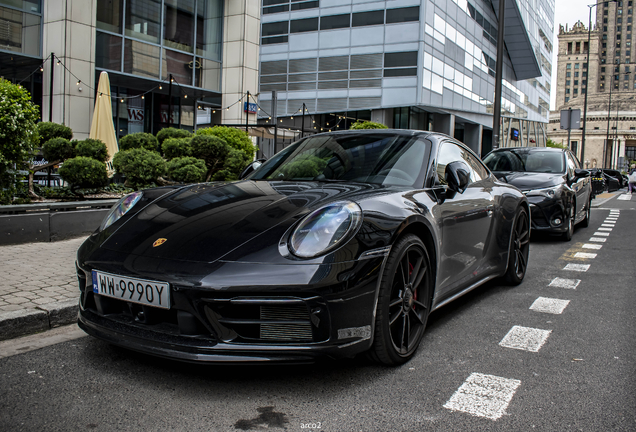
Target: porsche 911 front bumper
point(256, 321)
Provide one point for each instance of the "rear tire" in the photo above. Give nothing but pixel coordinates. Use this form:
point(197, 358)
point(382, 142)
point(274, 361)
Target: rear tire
point(567, 236)
point(519, 248)
point(588, 213)
point(404, 302)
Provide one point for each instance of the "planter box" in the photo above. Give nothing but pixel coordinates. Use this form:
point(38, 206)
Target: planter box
point(48, 222)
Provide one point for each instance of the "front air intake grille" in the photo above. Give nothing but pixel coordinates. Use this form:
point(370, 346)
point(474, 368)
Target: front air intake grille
point(298, 328)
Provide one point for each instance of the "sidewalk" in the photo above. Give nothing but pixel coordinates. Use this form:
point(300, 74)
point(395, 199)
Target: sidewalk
point(38, 285)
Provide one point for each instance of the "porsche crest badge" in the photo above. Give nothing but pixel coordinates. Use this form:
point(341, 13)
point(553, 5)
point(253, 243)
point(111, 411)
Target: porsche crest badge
point(159, 242)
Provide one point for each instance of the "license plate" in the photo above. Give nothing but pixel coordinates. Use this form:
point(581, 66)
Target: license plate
point(141, 291)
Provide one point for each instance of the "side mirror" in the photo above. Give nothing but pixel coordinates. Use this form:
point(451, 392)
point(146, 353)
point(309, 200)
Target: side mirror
point(457, 176)
point(251, 168)
point(581, 173)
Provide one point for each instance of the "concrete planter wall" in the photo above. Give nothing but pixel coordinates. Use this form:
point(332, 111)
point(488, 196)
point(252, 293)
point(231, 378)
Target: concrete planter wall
point(48, 222)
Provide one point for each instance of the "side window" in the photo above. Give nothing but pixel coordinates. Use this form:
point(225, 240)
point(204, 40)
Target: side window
point(450, 152)
point(571, 165)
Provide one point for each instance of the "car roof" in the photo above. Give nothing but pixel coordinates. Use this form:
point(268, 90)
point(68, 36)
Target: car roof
point(531, 149)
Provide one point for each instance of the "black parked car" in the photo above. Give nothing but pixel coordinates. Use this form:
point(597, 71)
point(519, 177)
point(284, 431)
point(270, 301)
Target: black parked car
point(342, 243)
point(613, 179)
point(559, 191)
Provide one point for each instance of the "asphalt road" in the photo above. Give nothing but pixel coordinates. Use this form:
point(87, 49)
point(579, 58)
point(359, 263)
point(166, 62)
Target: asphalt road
point(580, 374)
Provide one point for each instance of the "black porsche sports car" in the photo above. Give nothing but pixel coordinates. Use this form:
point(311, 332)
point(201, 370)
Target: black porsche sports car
point(341, 243)
point(559, 191)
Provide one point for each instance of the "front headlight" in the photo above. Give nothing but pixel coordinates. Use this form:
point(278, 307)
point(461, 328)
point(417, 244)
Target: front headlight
point(120, 209)
point(325, 229)
point(553, 192)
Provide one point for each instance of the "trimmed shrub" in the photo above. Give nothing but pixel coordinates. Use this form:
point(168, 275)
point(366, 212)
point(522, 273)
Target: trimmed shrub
point(171, 132)
point(140, 166)
point(235, 138)
point(139, 140)
point(176, 147)
point(84, 172)
point(187, 169)
point(360, 124)
point(50, 130)
point(92, 148)
point(58, 149)
point(234, 163)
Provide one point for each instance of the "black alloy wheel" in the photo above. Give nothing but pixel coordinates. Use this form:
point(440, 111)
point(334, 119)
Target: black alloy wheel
point(403, 303)
point(519, 248)
point(567, 236)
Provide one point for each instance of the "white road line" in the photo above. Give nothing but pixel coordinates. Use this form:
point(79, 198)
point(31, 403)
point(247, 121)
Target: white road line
point(577, 267)
point(565, 283)
point(483, 396)
point(549, 305)
point(624, 197)
point(585, 255)
point(598, 239)
point(602, 234)
point(612, 217)
point(604, 229)
point(525, 338)
point(592, 246)
point(606, 225)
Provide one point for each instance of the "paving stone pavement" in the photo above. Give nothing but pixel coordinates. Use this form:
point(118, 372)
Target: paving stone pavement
point(37, 280)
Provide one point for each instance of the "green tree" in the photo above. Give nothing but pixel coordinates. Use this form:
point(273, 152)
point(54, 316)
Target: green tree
point(223, 161)
point(139, 140)
point(171, 132)
point(176, 147)
point(140, 166)
point(92, 148)
point(187, 169)
point(235, 138)
point(550, 143)
point(18, 134)
point(50, 130)
point(364, 124)
point(83, 172)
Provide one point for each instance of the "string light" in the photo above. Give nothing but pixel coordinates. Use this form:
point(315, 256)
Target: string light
point(160, 87)
point(78, 82)
point(185, 96)
point(122, 100)
point(142, 96)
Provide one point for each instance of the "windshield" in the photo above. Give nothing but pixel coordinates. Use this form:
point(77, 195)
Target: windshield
point(370, 158)
point(524, 160)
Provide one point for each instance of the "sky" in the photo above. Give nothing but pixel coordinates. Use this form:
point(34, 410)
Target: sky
point(567, 12)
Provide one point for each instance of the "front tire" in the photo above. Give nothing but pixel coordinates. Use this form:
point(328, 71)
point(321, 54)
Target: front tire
point(519, 248)
point(404, 302)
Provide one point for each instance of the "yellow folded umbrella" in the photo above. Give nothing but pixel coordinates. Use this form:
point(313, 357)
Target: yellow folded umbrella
point(102, 127)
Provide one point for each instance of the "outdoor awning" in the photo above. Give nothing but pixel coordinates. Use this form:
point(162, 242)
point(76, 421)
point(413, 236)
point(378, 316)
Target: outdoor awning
point(518, 44)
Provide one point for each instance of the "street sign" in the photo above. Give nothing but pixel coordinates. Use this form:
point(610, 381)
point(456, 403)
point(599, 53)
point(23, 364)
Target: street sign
point(571, 119)
point(250, 108)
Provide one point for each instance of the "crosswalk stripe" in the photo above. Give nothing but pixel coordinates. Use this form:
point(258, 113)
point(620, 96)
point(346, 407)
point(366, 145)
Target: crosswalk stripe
point(585, 255)
point(565, 283)
point(592, 246)
point(525, 338)
point(577, 267)
point(483, 396)
point(549, 305)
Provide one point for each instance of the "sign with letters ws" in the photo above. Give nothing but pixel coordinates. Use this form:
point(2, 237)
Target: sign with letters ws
point(250, 108)
point(136, 115)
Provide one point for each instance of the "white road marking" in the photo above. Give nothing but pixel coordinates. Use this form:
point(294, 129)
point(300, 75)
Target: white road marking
point(624, 197)
point(585, 255)
point(602, 234)
point(565, 283)
point(525, 338)
point(483, 396)
point(604, 229)
point(611, 217)
point(598, 239)
point(577, 267)
point(549, 305)
point(606, 225)
point(592, 246)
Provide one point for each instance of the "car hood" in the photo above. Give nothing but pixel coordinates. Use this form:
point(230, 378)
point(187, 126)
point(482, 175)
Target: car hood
point(207, 221)
point(529, 180)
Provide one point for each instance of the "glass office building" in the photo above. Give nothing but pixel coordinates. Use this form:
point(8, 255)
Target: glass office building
point(170, 62)
point(419, 64)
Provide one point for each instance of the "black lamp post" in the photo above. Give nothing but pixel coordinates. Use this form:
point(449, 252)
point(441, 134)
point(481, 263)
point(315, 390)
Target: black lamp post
point(496, 128)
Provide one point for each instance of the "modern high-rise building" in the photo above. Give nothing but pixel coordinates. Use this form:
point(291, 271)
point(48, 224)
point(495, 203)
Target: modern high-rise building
point(184, 63)
point(610, 132)
point(419, 64)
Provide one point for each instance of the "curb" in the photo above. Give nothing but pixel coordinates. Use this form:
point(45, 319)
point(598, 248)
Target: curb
point(603, 201)
point(45, 317)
